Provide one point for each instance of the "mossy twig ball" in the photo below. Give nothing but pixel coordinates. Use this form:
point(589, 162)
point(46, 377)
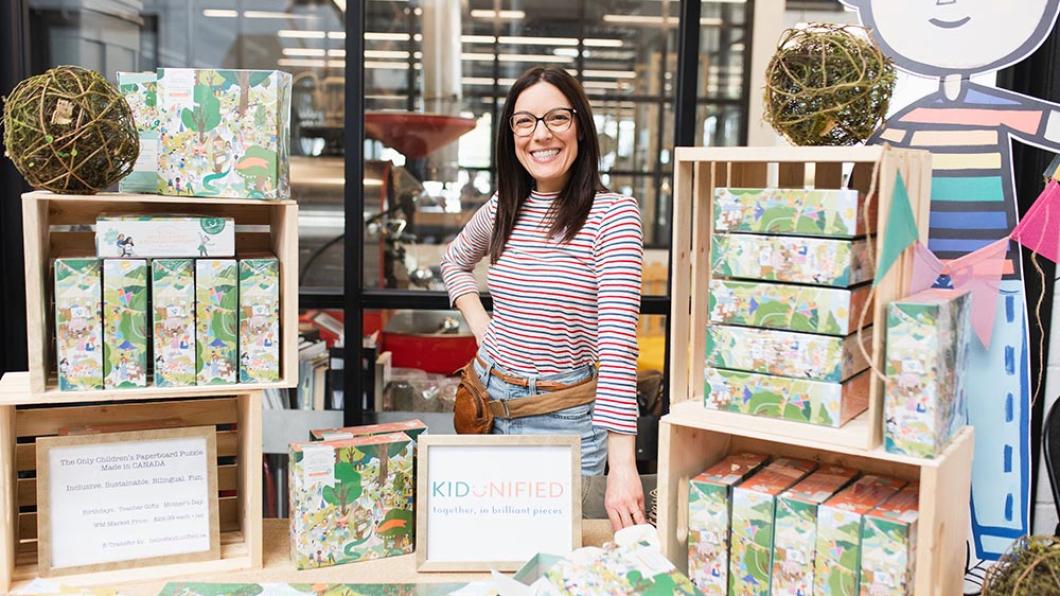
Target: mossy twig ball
point(1031, 566)
point(827, 85)
point(70, 131)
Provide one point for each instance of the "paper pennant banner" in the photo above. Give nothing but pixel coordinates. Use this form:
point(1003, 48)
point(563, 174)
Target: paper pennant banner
point(979, 272)
point(900, 229)
point(1039, 229)
point(926, 268)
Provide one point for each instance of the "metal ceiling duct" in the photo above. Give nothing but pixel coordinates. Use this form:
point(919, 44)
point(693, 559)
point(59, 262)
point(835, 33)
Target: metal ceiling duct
point(442, 75)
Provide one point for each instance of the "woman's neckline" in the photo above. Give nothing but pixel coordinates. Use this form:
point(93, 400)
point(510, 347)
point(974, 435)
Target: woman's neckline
point(548, 196)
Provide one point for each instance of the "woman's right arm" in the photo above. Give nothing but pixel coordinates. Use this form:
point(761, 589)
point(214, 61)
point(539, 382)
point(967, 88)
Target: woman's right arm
point(460, 258)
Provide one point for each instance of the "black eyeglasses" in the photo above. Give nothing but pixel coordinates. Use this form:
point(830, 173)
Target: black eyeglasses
point(556, 120)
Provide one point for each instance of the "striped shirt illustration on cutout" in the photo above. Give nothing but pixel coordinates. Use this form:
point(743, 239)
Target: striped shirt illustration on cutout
point(558, 306)
point(972, 202)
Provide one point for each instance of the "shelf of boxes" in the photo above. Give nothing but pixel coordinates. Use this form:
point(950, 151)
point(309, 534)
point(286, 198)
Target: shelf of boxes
point(54, 226)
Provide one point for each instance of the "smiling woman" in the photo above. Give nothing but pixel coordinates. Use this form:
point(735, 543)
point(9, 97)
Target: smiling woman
point(559, 355)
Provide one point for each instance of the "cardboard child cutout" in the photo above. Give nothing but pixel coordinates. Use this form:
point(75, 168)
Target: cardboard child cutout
point(969, 127)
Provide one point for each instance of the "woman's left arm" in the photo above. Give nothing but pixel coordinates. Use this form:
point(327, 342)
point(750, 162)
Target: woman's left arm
point(619, 255)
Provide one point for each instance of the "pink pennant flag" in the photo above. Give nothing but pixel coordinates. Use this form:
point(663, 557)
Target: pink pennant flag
point(979, 272)
point(1039, 229)
point(926, 268)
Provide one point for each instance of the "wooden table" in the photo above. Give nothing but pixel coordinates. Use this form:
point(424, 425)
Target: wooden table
point(277, 566)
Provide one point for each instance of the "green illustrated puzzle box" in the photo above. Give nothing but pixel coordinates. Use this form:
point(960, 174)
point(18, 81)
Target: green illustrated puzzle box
point(753, 511)
point(835, 213)
point(216, 321)
point(817, 261)
point(813, 402)
point(140, 90)
point(79, 324)
point(165, 236)
point(637, 568)
point(259, 320)
point(351, 500)
point(838, 562)
point(413, 428)
point(224, 133)
point(795, 536)
point(124, 323)
point(787, 353)
point(928, 337)
point(173, 323)
point(709, 511)
point(888, 545)
point(831, 311)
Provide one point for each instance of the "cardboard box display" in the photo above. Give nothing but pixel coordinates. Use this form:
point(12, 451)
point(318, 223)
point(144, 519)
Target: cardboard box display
point(413, 428)
point(928, 336)
point(835, 213)
point(216, 322)
point(838, 561)
point(816, 261)
point(351, 500)
point(888, 545)
point(224, 133)
point(709, 512)
point(795, 536)
point(140, 90)
point(753, 511)
point(173, 321)
point(810, 309)
point(79, 324)
point(124, 323)
point(637, 568)
point(259, 320)
point(813, 402)
point(165, 236)
point(788, 353)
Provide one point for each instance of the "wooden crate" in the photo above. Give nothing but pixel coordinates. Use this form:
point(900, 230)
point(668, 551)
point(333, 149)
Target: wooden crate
point(46, 224)
point(237, 416)
point(698, 171)
point(945, 489)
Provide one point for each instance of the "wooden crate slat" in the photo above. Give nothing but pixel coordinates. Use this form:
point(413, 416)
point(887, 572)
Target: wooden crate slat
point(227, 446)
point(7, 494)
point(37, 422)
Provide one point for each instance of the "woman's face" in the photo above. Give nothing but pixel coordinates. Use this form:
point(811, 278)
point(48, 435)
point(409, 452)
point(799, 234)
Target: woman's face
point(546, 154)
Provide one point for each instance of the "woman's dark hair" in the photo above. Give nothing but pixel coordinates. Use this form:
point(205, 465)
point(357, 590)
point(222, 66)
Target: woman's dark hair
point(514, 182)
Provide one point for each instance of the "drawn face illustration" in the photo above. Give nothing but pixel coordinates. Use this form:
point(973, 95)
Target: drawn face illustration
point(966, 36)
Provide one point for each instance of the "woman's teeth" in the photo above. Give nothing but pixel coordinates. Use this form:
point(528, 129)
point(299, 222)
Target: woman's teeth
point(544, 154)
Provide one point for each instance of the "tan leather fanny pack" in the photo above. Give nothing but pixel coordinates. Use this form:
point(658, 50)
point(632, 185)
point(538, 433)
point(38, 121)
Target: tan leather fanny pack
point(474, 410)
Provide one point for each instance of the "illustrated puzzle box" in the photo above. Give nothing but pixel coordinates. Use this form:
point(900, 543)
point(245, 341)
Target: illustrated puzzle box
point(259, 320)
point(813, 402)
point(351, 499)
point(795, 536)
point(787, 353)
point(709, 511)
point(835, 213)
point(216, 322)
point(224, 133)
point(811, 309)
point(888, 545)
point(140, 90)
point(173, 321)
point(413, 428)
point(753, 515)
point(79, 323)
point(165, 236)
point(817, 261)
point(124, 323)
point(838, 561)
point(928, 337)
point(637, 568)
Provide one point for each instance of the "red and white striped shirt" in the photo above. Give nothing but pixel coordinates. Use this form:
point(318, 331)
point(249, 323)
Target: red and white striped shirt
point(558, 306)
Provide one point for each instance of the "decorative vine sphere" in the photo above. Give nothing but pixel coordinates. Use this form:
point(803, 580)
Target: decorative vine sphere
point(70, 131)
point(1031, 566)
point(827, 85)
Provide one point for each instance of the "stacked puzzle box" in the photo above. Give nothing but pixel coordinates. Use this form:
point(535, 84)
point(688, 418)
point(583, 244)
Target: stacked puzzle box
point(790, 277)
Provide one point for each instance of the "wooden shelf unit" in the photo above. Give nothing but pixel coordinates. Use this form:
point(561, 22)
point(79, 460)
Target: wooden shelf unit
point(698, 171)
point(52, 227)
point(239, 438)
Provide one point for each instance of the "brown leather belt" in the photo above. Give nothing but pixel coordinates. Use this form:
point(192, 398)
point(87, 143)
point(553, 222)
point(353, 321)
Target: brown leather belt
point(559, 396)
point(522, 382)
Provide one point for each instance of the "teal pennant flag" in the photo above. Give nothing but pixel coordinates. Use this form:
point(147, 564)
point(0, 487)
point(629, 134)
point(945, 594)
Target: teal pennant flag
point(900, 231)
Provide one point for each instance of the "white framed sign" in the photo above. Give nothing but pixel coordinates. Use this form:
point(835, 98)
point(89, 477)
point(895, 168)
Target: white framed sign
point(127, 499)
point(494, 501)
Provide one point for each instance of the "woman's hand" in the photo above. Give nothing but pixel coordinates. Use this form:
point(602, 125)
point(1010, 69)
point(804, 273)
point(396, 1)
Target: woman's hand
point(470, 306)
point(624, 498)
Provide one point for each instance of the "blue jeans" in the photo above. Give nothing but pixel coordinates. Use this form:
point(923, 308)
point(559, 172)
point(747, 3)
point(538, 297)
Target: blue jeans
point(570, 421)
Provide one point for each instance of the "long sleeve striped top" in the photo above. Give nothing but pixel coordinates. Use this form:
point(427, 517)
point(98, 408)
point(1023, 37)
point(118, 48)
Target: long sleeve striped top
point(559, 306)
